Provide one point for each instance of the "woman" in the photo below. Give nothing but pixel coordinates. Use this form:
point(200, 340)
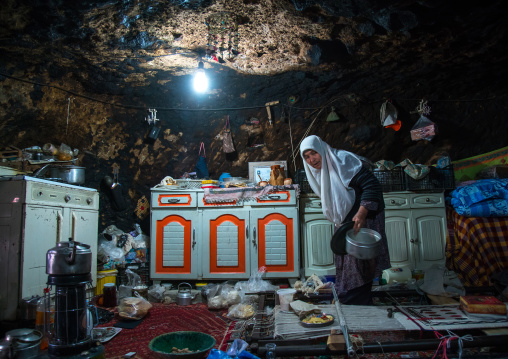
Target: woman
point(348, 192)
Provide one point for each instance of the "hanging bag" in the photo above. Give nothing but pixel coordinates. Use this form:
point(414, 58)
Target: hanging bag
point(201, 167)
point(227, 138)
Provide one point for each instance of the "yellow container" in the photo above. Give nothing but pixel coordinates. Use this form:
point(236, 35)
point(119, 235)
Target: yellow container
point(103, 277)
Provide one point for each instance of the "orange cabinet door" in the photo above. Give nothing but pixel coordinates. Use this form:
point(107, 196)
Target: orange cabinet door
point(225, 252)
point(175, 251)
point(275, 241)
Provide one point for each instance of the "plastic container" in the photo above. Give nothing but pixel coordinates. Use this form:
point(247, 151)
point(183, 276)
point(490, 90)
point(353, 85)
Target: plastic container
point(103, 277)
point(285, 297)
point(397, 274)
point(45, 319)
point(221, 178)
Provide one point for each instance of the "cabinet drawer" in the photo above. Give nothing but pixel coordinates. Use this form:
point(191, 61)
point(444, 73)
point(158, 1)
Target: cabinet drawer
point(396, 201)
point(311, 205)
point(284, 197)
point(427, 200)
point(218, 204)
point(178, 200)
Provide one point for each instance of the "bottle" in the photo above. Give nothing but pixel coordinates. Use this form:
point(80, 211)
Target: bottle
point(270, 350)
point(45, 318)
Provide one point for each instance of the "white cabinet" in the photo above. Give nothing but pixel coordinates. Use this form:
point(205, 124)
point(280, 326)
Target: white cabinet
point(415, 228)
point(35, 215)
point(316, 233)
point(192, 239)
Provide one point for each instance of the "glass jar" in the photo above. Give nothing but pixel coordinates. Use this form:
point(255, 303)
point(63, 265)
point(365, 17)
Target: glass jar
point(109, 295)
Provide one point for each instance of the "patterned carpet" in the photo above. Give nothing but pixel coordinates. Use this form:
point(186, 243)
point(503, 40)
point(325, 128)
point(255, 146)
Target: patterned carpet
point(164, 319)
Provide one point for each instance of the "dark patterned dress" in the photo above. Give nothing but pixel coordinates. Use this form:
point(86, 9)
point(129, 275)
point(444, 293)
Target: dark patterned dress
point(353, 273)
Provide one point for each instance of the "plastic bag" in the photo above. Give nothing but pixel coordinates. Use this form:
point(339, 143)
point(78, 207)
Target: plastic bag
point(423, 129)
point(241, 311)
point(133, 280)
point(133, 308)
point(227, 138)
point(256, 284)
point(64, 153)
point(236, 351)
point(220, 296)
point(156, 293)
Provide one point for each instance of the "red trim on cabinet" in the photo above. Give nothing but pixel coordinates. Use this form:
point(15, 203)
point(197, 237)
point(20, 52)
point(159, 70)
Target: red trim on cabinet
point(174, 204)
point(214, 224)
point(273, 201)
point(159, 241)
point(290, 260)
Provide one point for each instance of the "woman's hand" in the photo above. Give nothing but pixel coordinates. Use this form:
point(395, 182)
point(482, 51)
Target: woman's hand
point(360, 218)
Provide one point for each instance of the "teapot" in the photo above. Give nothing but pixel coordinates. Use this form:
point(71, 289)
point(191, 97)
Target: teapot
point(184, 295)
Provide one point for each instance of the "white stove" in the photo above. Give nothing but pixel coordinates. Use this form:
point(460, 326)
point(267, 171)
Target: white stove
point(36, 214)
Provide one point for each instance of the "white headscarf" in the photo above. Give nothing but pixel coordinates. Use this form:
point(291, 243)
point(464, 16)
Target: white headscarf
point(331, 182)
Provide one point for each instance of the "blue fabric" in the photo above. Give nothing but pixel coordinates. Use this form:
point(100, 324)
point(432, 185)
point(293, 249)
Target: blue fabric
point(483, 198)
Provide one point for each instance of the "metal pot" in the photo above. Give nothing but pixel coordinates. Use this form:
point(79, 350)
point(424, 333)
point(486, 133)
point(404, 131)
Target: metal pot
point(184, 296)
point(24, 343)
point(363, 245)
point(69, 174)
point(69, 258)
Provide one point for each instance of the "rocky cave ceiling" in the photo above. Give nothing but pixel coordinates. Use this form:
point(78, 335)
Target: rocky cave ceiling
point(142, 53)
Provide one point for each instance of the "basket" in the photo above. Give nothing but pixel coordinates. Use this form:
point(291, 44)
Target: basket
point(437, 179)
point(301, 180)
point(392, 180)
point(103, 277)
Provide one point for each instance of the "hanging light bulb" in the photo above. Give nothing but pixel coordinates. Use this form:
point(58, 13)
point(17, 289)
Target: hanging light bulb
point(200, 80)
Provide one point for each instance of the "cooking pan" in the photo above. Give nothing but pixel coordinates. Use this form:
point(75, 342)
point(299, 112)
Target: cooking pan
point(69, 174)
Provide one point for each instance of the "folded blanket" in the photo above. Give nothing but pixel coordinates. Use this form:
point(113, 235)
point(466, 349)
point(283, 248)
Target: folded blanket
point(483, 198)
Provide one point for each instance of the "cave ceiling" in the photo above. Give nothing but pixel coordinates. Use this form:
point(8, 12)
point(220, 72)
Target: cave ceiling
point(143, 53)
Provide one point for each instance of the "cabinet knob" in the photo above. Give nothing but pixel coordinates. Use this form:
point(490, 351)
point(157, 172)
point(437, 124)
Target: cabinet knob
point(392, 201)
point(427, 199)
point(89, 200)
point(319, 204)
point(67, 198)
point(414, 240)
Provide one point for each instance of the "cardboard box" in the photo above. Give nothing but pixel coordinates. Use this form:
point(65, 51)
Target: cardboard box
point(482, 304)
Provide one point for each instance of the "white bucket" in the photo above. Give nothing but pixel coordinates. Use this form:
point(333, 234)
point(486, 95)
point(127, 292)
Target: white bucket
point(285, 297)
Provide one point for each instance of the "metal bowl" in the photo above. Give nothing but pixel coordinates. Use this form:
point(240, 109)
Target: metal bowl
point(197, 342)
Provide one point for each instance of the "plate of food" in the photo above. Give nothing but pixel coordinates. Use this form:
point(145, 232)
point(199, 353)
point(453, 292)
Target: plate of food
point(316, 320)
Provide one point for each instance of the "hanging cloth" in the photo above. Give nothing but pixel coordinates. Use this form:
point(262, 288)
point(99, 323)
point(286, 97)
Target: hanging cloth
point(227, 138)
point(201, 167)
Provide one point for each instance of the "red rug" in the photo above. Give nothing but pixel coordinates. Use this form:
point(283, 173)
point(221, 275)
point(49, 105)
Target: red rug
point(162, 319)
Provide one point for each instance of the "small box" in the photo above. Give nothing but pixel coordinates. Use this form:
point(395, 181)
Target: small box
point(103, 277)
point(482, 304)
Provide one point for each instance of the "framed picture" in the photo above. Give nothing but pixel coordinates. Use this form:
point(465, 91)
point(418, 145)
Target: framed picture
point(260, 171)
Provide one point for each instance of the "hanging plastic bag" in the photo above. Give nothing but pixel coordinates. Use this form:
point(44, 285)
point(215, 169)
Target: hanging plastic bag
point(201, 167)
point(388, 115)
point(424, 129)
point(227, 138)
